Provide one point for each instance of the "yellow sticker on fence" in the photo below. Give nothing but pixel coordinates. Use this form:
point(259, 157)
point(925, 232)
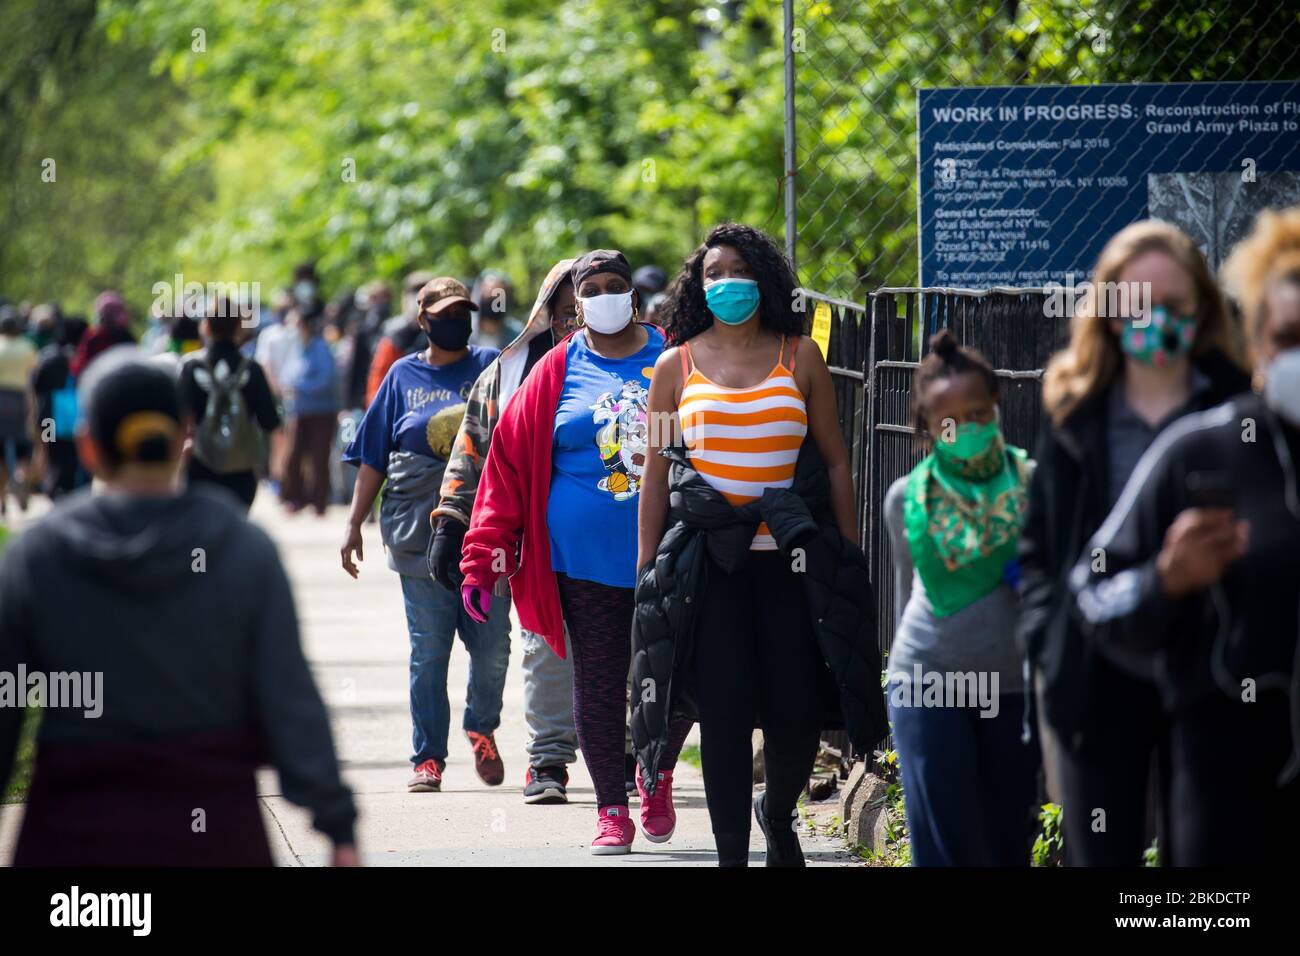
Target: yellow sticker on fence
point(821, 327)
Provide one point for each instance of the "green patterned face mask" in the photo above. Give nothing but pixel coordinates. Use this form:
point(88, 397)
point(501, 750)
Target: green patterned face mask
point(976, 451)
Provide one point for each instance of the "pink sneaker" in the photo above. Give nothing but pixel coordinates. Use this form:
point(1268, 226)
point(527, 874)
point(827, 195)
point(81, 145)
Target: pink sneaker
point(658, 818)
point(614, 831)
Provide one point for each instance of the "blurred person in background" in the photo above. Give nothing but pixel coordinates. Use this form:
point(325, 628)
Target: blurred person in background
point(43, 329)
point(548, 677)
point(651, 284)
point(400, 336)
point(495, 325)
point(1201, 578)
point(17, 362)
point(311, 412)
point(1122, 380)
point(111, 326)
point(189, 681)
point(230, 408)
point(275, 341)
point(403, 444)
point(57, 411)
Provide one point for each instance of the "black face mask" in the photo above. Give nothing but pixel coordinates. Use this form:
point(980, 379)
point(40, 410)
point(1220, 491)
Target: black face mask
point(450, 334)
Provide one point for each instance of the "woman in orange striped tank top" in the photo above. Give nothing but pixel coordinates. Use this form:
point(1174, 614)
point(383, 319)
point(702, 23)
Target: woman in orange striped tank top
point(744, 389)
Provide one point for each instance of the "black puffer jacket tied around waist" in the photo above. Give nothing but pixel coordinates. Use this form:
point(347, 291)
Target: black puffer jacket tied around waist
point(703, 525)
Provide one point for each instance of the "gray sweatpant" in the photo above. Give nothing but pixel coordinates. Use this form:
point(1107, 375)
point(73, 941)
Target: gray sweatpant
point(548, 704)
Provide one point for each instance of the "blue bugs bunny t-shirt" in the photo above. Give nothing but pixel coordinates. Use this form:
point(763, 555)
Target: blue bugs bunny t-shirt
point(601, 441)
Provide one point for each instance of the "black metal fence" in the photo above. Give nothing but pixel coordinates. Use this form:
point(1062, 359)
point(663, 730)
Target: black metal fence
point(873, 353)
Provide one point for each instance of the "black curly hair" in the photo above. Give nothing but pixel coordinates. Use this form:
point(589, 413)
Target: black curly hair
point(683, 315)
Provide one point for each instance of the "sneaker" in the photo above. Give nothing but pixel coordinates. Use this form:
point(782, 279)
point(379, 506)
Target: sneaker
point(782, 841)
point(426, 779)
point(614, 831)
point(658, 818)
point(546, 785)
point(629, 773)
point(487, 761)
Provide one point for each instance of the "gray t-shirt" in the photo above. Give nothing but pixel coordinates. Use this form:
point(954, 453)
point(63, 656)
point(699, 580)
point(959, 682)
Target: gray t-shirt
point(981, 637)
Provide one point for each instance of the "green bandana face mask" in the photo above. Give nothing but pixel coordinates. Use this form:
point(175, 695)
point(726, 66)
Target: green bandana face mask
point(976, 452)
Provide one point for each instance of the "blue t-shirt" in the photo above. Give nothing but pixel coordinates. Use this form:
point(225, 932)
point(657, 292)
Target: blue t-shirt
point(418, 408)
point(601, 432)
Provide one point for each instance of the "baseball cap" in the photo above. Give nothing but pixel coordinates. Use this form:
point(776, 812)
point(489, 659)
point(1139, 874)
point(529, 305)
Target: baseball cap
point(437, 294)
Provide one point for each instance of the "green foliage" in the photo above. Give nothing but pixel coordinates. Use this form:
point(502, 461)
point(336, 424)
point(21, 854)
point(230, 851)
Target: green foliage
point(864, 62)
point(219, 139)
point(1049, 845)
point(1151, 855)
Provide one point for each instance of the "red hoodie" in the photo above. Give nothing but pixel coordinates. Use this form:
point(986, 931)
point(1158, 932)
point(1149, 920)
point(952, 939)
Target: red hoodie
point(509, 514)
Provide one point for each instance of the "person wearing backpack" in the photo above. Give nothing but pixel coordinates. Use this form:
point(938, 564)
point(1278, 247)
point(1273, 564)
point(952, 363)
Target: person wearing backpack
point(232, 408)
point(57, 412)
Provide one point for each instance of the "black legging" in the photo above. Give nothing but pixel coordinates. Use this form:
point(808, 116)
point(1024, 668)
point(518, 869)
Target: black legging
point(1226, 807)
point(755, 657)
point(1106, 783)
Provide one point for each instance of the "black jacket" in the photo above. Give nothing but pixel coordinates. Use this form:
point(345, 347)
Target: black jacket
point(1068, 501)
point(703, 525)
point(1246, 626)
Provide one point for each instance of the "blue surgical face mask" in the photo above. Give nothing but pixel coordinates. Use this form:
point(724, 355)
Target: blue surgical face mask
point(733, 301)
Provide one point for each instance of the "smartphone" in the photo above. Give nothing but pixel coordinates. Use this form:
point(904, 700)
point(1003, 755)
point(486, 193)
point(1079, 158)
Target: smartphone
point(1210, 489)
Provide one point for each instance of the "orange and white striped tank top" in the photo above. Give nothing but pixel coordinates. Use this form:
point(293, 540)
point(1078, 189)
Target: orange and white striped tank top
point(743, 440)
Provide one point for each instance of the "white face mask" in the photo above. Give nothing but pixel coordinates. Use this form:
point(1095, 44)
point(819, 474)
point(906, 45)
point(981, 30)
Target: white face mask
point(1282, 386)
point(607, 314)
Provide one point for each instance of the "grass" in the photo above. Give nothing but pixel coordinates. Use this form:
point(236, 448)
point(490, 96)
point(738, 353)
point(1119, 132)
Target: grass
point(20, 780)
point(691, 754)
point(15, 789)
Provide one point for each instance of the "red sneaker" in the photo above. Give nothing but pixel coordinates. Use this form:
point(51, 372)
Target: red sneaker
point(658, 818)
point(487, 761)
point(426, 779)
point(614, 831)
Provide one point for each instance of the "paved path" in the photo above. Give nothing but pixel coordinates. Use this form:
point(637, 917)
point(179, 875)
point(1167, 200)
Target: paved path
point(354, 633)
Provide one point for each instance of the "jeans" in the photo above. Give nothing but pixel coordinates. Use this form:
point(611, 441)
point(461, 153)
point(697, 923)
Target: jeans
point(434, 616)
point(969, 784)
point(548, 704)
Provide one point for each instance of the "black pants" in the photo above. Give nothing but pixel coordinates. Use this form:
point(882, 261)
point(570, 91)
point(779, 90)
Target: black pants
point(756, 658)
point(1225, 805)
point(242, 484)
point(1106, 783)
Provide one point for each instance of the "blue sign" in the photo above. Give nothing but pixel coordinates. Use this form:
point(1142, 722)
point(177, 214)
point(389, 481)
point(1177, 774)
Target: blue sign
point(1023, 185)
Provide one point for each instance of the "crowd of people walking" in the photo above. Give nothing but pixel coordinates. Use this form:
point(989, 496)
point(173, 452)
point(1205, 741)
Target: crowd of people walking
point(651, 477)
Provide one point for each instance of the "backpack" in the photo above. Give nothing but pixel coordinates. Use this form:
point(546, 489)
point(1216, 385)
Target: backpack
point(65, 410)
point(227, 439)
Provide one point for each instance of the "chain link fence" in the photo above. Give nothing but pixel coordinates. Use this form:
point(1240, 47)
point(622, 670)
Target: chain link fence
point(854, 70)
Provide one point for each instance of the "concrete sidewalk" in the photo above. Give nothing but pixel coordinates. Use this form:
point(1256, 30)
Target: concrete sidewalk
point(354, 633)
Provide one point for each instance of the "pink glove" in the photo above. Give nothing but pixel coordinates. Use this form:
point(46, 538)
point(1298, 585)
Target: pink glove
point(477, 601)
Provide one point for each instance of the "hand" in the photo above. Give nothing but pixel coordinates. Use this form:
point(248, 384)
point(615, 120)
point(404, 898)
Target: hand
point(1198, 548)
point(345, 855)
point(477, 601)
point(351, 544)
point(444, 553)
